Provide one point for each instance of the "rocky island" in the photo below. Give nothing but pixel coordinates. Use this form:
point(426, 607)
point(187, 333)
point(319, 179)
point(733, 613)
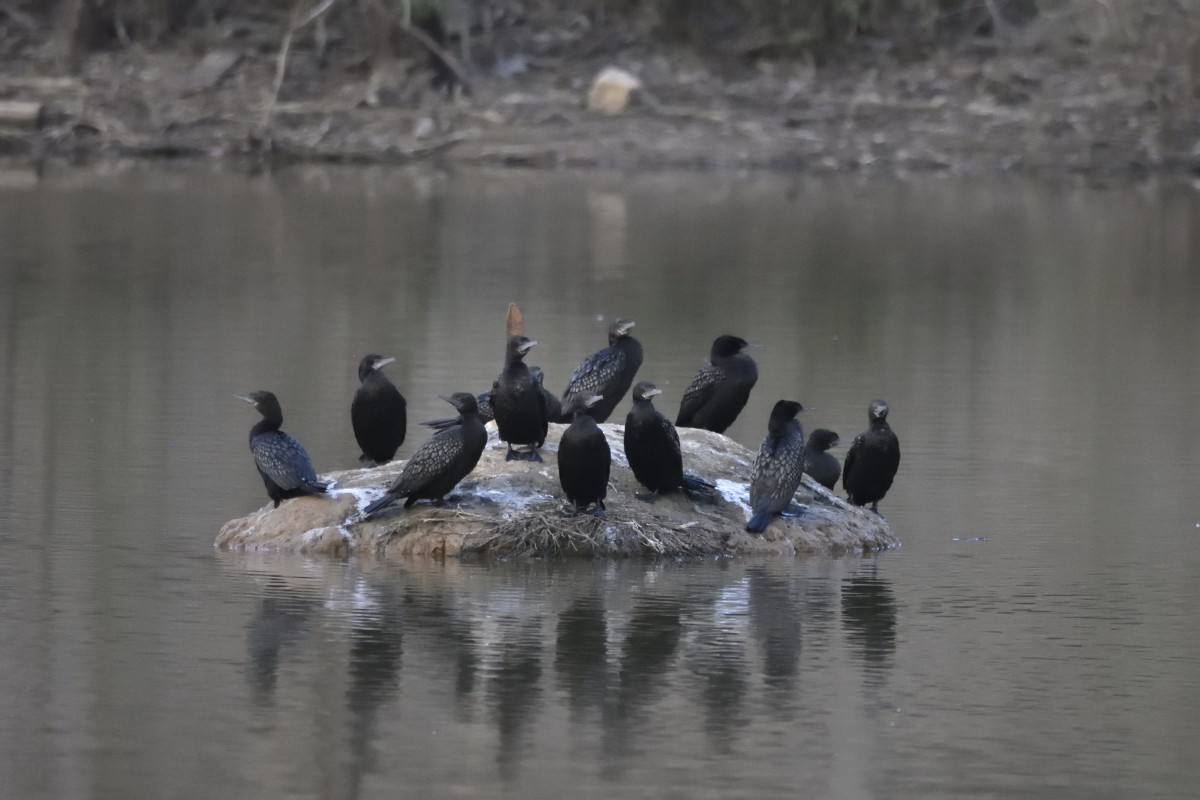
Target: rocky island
point(516, 509)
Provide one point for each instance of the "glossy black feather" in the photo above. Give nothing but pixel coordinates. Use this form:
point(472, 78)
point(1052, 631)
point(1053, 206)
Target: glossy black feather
point(873, 460)
point(718, 393)
point(378, 413)
point(517, 399)
point(441, 462)
point(281, 460)
point(584, 459)
point(608, 372)
point(778, 467)
point(652, 443)
point(821, 465)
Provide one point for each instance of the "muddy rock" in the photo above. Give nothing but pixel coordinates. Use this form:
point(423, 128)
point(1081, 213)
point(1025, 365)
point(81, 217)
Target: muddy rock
point(516, 509)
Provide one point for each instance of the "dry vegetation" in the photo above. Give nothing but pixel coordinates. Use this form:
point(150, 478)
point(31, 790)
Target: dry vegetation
point(1082, 85)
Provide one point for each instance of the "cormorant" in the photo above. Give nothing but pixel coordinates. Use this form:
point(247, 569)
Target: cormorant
point(584, 458)
point(872, 461)
point(517, 399)
point(721, 388)
point(553, 404)
point(778, 466)
point(607, 373)
point(483, 402)
point(652, 446)
point(818, 463)
point(441, 462)
point(282, 462)
point(378, 412)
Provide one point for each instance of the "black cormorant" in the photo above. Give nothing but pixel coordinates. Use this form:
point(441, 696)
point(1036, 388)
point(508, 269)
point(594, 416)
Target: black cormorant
point(378, 412)
point(517, 400)
point(583, 457)
point(608, 372)
point(285, 467)
point(872, 461)
point(652, 446)
point(819, 463)
point(441, 462)
point(778, 466)
point(721, 388)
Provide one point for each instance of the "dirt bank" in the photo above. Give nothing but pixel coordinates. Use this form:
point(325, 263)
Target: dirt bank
point(980, 106)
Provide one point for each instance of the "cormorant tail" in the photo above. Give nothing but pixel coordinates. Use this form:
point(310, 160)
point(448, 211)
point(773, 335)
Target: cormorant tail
point(758, 523)
point(382, 502)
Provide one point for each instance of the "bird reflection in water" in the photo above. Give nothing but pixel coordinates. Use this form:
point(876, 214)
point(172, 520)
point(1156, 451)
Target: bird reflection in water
point(280, 621)
point(869, 619)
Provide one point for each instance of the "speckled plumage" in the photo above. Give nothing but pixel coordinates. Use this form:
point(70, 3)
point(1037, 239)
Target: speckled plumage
point(820, 465)
point(378, 413)
point(584, 458)
point(608, 373)
point(282, 462)
point(778, 467)
point(721, 388)
point(517, 399)
point(873, 460)
point(441, 462)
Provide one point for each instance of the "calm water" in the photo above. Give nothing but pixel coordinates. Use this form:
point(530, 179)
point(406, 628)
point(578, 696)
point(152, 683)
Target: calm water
point(1034, 637)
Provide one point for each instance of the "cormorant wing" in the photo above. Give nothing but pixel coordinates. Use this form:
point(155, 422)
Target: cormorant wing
point(430, 459)
point(698, 393)
point(284, 460)
point(672, 434)
point(594, 372)
point(848, 464)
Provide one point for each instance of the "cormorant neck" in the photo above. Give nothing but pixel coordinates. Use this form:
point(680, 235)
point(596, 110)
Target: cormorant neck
point(267, 425)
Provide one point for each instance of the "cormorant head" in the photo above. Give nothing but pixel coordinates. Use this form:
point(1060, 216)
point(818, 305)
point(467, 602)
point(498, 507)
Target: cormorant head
point(463, 402)
point(644, 390)
point(727, 346)
point(518, 346)
point(581, 403)
point(370, 363)
point(781, 415)
point(877, 410)
point(822, 439)
point(619, 329)
point(264, 402)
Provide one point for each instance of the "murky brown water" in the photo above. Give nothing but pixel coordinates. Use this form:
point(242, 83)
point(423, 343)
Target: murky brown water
point(1034, 637)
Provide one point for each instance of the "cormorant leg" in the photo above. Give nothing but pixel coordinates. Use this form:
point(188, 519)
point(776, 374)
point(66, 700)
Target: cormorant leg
point(534, 455)
point(599, 512)
point(875, 507)
point(511, 454)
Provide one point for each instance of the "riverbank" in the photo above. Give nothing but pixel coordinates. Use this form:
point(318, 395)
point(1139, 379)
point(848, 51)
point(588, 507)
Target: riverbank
point(979, 107)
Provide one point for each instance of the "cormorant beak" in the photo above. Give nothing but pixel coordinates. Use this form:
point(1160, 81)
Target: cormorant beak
point(448, 399)
point(383, 362)
point(751, 345)
point(653, 393)
point(249, 400)
point(626, 327)
point(835, 443)
point(526, 347)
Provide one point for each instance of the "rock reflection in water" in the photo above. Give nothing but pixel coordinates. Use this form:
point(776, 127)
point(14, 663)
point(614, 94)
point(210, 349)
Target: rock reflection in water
point(622, 646)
